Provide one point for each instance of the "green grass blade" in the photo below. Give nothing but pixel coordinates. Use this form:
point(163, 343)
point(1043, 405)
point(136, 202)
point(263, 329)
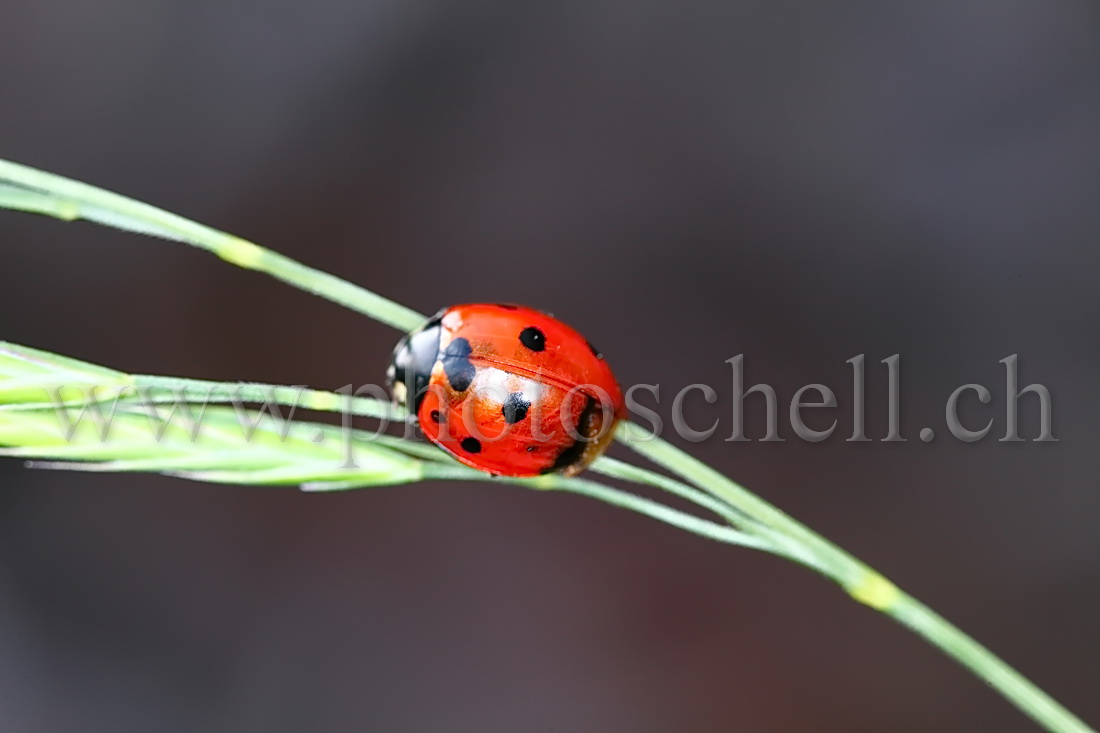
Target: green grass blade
point(861, 582)
point(28, 189)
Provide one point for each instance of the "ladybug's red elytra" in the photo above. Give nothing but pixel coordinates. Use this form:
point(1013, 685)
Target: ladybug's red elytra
point(507, 389)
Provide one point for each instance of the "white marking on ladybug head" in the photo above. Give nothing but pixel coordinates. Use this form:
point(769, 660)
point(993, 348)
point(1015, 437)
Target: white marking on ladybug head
point(400, 392)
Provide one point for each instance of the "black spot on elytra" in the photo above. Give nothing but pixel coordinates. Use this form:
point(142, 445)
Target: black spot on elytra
point(594, 350)
point(435, 416)
point(533, 338)
point(471, 445)
point(457, 366)
point(532, 448)
point(515, 408)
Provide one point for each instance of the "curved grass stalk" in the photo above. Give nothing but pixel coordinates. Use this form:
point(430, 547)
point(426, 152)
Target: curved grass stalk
point(756, 521)
point(864, 584)
point(615, 497)
point(28, 189)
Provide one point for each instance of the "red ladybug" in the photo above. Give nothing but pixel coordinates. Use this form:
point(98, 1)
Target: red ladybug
point(507, 389)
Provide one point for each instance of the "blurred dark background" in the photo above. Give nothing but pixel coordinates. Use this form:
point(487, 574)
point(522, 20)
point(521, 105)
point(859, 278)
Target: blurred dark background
point(792, 181)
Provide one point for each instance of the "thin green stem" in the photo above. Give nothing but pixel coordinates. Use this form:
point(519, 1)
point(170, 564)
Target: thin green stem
point(839, 565)
point(33, 190)
point(864, 584)
point(636, 474)
point(1023, 693)
point(615, 497)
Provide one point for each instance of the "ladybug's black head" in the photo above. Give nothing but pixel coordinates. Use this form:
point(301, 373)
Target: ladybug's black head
point(411, 366)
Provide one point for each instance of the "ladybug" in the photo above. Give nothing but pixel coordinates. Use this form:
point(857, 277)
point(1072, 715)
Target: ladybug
point(507, 389)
